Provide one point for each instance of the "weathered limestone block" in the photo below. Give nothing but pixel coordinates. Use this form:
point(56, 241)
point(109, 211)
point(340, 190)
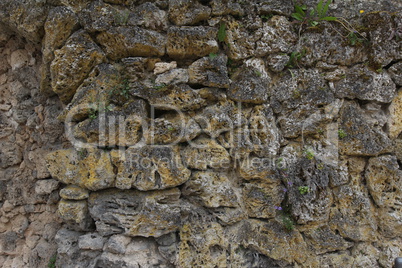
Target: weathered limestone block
point(241, 43)
point(162, 67)
point(73, 211)
point(149, 16)
point(187, 12)
point(362, 83)
point(264, 133)
point(73, 192)
point(224, 7)
point(103, 85)
point(275, 7)
point(361, 139)
point(211, 189)
point(114, 127)
point(395, 71)
point(329, 46)
point(390, 221)
point(93, 171)
point(203, 153)
point(277, 62)
point(76, 5)
point(237, 141)
point(333, 259)
point(261, 198)
point(46, 186)
point(202, 243)
point(117, 244)
point(59, 25)
point(25, 17)
point(121, 42)
point(272, 240)
point(210, 72)
point(384, 47)
point(224, 116)
point(277, 35)
point(250, 83)
point(99, 17)
point(324, 240)
point(395, 116)
point(149, 168)
point(353, 214)
point(91, 241)
point(173, 77)
point(389, 251)
point(136, 213)
point(191, 42)
point(384, 180)
point(171, 130)
point(256, 168)
point(72, 63)
point(171, 97)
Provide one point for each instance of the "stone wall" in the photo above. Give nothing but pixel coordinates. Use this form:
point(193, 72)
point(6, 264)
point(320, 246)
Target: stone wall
point(190, 133)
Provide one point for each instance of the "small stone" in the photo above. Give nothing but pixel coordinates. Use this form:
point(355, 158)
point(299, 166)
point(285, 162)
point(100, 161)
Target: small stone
point(73, 192)
point(92, 241)
point(43, 187)
point(210, 71)
point(117, 244)
point(191, 42)
point(19, 58)
point(395, 71)
point(172, 77)
point(73, 211)
point(161, 67)
point(395, 116)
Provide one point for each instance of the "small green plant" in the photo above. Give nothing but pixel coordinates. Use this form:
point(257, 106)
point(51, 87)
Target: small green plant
point(222, 32)
point(266, 17)
point(341, 133)
point(295, 57)
point(258, 73)
point(296, 94)
point(303, 190)
point(313, 16)
point(52, 261)
point(123, 89)
point(355, 38)
point(93, 114)
point(171, 128)
point(309, 154)
point(212, 56)
point(288, 223)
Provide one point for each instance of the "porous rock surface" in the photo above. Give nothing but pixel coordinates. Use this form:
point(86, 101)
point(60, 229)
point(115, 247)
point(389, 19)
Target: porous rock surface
point(189, 133)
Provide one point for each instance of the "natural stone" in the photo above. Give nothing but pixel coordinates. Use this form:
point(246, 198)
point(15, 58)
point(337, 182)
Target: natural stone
point(73, 211)
point(325, 240)
point(121, 42)
point(99, 17)
point(241, 44)
point(389, 222)
point(187, 12)
point(173, 77)
point(210, 72)
point(80, 51)
point(261, 197)
point(204, 153)
point(148, 15)
point(117, 244)
point(275, 7)
point(395, 71)
point(162, 67)
point(136, 213)
point(277, 35)
point(384, 181)
point(46, 186)
point(73, 192)
point(149, 168)
point(191, 42)
point(211, 189)
point(395, 116)
point(364, 84)
point(361, 139)
point(250, 83)
point(92, 241)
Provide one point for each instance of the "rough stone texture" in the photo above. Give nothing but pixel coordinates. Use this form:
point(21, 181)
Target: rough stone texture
point(395, 117)
point(72, 63)
point(200, 134)
point(121, 42)
point(364, 84)
point(191, 42)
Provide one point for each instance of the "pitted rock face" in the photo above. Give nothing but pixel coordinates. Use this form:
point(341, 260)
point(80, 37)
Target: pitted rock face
point(200, 133)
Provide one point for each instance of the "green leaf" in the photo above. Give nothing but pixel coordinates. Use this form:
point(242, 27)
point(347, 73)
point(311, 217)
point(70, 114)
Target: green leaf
point(297, 16)
point(314, 23)
point(300, 10)
point(319, 8)
point(325, 10)
point(222, 32)
point(329, 18)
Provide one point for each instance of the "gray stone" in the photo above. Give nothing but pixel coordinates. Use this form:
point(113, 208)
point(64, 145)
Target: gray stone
point(362, 83)
point(92, 241)
point(395, 71)
point(117, 244)
point(73, 192)
point(210, 71)
point(46, 186)
point(173, 77)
